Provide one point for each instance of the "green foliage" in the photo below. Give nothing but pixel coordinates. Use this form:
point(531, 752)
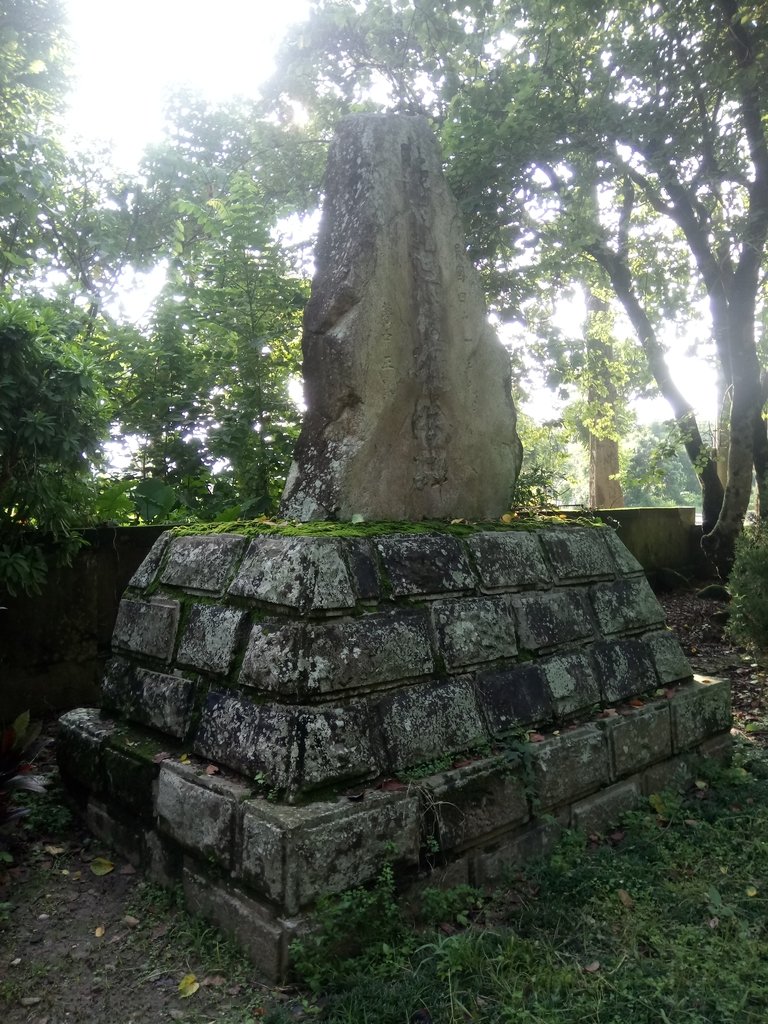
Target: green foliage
point(20, 744)
point(51, 425)
point(360, 926)
point(454, 906)
point(748, 582)
point(654, 469)
point(551, 466)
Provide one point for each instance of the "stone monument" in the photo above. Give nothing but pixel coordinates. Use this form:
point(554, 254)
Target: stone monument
point(409, 405)
point(290, 707)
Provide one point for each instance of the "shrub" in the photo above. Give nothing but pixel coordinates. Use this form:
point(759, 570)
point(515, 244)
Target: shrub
point(749, 587)
point(51, 423)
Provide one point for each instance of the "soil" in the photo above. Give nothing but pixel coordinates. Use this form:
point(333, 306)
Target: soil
point(77, 945)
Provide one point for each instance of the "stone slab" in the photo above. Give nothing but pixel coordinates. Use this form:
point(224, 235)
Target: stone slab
point(552, 619)
point(209, 637)
point(250, 924)
point(254, 740)
point(423, 563)
point(508, 560)
point(332, 746)
point(639, 738)
point(514, 697)
point(147, 627)
point(198, 812)
point(203, 563)
point(471, 631)
point(425, 722)
point(627, 605)
point(463, 806)
point(307, 574)
point(577, 555)
point(568, 766)
point(671, 663)
point(572, 682)
point(603, 810)
point(302, 660)
point(700, 710)
point(624, 669)
point(147, 571)
point(161, 701)
point(626, 563)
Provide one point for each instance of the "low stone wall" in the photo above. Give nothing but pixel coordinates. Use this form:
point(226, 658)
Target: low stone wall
point(284, 714)
point(255, 867)
point(661, 538)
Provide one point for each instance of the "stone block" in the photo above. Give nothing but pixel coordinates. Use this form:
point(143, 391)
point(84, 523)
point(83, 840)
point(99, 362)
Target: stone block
point(203, 563)
point(720, 748)
point(363, 569)
point(578, 554)
point(146, 627)
point(571, 681)
point(699, 711)
point(424, 563)
point(254, 740)
point(626, 563)
point(671, 664)
point(675, 774)
point(293, 855)
point(568, 766)
point(307, 574)
point(332, 745)
point(198, 812)
point(304, 660)
point(253, 926)
point(549, 620)
point(639, 738)
point(626, 605)
point(162, 860)
point(472, 630)
point(624, 668)
point(123, 836)
point(128, 780)
point(508, 560)
point(494, 864)
point(163, 702)
point(147, 571)
point(428, 721)
point(83, 733)
point(514, 697)
point(601, 811)
point(210, 636)
point(464, 805)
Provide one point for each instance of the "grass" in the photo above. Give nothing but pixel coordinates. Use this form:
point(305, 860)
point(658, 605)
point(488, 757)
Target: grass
point(664, 924)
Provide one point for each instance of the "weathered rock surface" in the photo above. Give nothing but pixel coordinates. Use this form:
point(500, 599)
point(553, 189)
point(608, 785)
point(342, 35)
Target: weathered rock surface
point(409, 409)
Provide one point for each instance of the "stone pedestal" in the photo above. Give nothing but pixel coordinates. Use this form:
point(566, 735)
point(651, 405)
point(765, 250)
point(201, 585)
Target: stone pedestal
point(285, 714)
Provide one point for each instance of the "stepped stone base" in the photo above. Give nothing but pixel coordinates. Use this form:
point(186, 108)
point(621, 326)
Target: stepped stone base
point(285, 715)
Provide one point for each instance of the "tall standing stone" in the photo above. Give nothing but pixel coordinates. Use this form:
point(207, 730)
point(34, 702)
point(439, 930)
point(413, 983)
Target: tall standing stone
point(409, 407)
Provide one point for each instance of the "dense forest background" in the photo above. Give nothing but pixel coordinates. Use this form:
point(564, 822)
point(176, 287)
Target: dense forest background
point(609, 157)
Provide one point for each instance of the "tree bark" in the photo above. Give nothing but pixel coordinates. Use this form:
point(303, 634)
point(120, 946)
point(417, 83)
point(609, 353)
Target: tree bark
point(604, 487)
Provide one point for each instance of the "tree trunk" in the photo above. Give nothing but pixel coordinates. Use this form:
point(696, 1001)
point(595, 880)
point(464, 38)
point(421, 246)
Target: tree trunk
point(604, 487)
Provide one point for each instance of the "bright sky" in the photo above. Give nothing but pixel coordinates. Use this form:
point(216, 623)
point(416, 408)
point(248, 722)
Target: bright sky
point(129, 56)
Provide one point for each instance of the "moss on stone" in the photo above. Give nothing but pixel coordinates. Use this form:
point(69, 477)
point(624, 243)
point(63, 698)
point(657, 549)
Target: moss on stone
point(263, 527)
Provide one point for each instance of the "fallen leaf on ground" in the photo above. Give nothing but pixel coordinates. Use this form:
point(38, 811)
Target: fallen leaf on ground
point(184, 759)
point(99, 933)
point(637, 703)
point(391, 785)
point(188, 986)
point(101, 866)
point(535, 737)
point(162, 756)
point(593, 967)
point(127, 869)
point(751, 890)
point(131, 921)
point(212, 769)
point(213, 981)
point(54, 850)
